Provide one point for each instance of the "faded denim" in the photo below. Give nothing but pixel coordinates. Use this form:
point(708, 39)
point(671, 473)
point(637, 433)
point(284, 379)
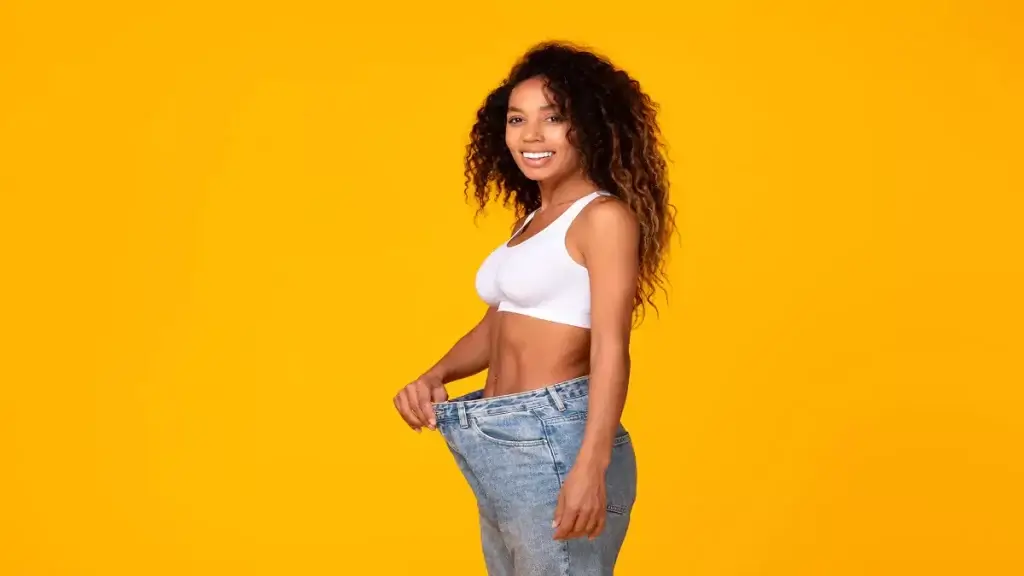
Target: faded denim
point(515, 451)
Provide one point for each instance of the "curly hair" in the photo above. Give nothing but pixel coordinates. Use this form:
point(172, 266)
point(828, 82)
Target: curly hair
point(612, 123)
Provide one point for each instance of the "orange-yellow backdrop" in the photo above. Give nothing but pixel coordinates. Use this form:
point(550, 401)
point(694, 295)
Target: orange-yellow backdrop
point(230, 231)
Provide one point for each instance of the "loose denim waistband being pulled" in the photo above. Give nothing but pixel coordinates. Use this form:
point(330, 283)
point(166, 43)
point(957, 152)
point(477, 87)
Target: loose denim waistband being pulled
point(474, 402)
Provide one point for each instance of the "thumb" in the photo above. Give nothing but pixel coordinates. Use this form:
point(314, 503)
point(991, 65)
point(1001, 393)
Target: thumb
point(438, 394)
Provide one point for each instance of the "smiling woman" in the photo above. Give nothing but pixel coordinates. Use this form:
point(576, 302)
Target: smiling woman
point(535, 150)
point(573, 143)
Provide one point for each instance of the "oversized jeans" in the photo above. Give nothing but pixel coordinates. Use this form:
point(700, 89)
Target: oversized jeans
point(515, 450)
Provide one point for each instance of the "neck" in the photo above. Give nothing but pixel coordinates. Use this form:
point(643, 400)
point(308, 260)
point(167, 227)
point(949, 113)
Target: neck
point(566, 189)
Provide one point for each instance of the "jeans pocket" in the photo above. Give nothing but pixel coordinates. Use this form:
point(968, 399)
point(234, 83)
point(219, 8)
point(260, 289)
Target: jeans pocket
point(517, 429)
point(621, 475)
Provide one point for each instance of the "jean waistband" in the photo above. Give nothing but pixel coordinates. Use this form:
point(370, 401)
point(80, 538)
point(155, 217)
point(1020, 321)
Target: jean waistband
point(463, 406)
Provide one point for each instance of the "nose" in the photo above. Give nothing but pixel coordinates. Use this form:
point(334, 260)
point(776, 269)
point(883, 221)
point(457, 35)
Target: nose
point(532, 132)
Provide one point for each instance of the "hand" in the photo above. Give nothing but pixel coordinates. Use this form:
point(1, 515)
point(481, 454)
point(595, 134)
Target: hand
point(581, 503)
point(414, 401)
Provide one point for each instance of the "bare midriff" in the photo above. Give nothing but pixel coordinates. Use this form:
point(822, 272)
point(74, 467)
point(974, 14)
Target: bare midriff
point(529, 353)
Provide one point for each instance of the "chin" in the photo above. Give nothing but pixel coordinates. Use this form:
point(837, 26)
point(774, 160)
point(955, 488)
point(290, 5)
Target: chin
point(539, 175)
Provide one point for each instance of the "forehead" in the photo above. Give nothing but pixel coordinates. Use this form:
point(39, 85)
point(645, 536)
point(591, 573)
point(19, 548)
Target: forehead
point(529, 95)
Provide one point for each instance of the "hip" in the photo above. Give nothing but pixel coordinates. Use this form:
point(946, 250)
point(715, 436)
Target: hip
point(535, 433)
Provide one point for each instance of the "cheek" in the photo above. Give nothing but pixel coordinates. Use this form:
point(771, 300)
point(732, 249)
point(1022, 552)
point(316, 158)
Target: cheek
point(567, 151)
point(557, 135)
point(570, 158)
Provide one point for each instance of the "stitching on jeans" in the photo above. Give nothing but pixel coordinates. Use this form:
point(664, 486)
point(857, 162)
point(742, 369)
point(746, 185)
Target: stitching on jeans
point(616, 509)
point(565, 554)
point(525, 404)
point(551, 450)
point(565, 417)
point(510, 443)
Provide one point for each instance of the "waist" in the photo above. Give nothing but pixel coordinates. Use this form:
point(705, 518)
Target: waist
point(475, 402)
point(526, 352)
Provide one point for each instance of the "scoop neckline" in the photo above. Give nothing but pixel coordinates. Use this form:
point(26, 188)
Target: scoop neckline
point(549, 225)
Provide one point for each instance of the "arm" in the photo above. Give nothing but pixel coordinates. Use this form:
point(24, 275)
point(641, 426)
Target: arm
point(470, 355)
point(611, 249)
point(609, 242)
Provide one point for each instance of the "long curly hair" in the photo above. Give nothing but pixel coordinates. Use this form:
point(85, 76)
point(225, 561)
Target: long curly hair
point(613, 125)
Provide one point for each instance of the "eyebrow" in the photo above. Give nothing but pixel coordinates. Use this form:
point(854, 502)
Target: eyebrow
point(547, 107)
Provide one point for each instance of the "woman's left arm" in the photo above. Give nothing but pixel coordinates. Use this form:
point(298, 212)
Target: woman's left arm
point(610, 246)
point(612, 257)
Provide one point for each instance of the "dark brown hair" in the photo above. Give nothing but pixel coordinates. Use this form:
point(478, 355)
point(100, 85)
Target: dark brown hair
point(612, 124)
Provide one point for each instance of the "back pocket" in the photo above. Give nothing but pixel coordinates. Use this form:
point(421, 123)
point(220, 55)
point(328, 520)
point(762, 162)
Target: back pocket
point(621, 475)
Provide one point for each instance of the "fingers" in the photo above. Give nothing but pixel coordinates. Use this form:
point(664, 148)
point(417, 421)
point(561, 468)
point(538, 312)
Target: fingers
point(567, 516)
point(579, 528)
point(577, 522)
point(402, 404)
point(570, 524)
point(427, 410)
point(563, 530)
point(596, 525)
point(415, 398)
point(559, 509)
point(414, 403)
point(420, 396)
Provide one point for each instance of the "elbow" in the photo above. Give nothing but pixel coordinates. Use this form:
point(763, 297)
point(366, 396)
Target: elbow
point(611, 356)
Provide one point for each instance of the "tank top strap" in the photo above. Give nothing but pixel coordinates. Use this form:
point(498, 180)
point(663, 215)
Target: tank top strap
point(574, 210)
point(523, 225)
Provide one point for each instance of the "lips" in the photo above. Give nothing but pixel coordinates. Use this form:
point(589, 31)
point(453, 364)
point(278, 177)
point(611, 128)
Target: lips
point(537, 159)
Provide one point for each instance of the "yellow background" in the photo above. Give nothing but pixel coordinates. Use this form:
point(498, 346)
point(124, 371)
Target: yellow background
point(230, 231)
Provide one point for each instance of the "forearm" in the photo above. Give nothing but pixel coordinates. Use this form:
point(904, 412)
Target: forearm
point(470, 354)
point(609, 381)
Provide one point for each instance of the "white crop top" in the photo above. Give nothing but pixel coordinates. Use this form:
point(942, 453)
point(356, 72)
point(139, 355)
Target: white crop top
point(538, 277)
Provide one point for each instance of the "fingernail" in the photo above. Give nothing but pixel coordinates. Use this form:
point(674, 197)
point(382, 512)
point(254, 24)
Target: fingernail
point(554, 523)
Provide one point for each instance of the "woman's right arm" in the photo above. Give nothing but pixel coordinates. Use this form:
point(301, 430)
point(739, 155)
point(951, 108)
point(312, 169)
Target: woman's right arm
point(470, 355)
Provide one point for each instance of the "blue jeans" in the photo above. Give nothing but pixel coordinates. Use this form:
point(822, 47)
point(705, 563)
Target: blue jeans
point(515, 451)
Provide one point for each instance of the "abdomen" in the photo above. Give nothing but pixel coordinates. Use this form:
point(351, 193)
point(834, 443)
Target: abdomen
point(529, 353)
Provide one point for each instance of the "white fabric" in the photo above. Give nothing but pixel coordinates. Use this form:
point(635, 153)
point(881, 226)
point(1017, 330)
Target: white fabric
point(538, 277)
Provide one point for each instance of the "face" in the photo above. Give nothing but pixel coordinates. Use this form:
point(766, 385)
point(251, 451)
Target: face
point(536, 134)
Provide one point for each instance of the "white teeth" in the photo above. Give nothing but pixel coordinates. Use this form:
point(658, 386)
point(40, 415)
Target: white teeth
point(537, 155)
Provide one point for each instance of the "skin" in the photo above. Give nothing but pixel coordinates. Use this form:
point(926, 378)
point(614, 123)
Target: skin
point(523, 353)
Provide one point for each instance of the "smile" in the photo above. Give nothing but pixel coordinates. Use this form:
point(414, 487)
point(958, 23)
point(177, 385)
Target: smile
point(537, 155)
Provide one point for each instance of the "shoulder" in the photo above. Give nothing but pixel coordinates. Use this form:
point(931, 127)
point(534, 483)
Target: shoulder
point(608, 215)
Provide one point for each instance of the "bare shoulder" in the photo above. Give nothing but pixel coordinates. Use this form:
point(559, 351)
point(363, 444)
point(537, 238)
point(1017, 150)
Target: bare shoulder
point(609, 215)
point(605, 226)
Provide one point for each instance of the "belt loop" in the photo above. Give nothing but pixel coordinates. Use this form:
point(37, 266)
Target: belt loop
point(558, 399)
point(463, 420)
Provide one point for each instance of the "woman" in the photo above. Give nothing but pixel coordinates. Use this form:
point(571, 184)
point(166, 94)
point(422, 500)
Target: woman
point(574, 144)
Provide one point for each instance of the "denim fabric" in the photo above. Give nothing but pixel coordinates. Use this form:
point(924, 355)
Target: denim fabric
point(515, 451)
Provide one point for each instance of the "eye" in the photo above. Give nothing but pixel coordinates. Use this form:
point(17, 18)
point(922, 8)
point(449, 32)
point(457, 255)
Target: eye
point(555, 118)
point(514, 120)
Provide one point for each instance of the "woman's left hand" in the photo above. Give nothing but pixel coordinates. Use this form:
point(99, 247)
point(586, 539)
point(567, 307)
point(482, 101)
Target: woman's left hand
point(581, 503)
